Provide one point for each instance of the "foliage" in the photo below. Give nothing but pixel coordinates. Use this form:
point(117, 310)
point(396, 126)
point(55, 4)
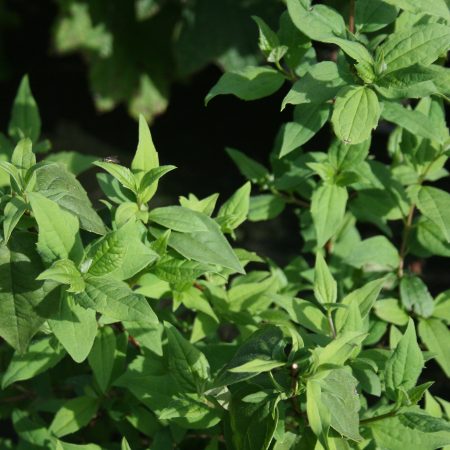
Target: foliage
point(141, 324)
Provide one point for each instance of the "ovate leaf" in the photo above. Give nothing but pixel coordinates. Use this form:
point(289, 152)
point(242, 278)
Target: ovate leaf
point(356, 113)
point(41, 356)
point(405, 364)
point(327, 209)
point(249, 83)
point(74, 326)
point(436, 336)
point(73, 415)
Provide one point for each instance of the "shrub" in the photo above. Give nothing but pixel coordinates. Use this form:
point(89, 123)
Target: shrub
point(140, 321)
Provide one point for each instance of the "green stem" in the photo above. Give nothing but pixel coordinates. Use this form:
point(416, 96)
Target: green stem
point(376, 418)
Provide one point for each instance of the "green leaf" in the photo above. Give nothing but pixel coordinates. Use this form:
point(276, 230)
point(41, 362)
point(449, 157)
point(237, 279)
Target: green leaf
point(234, 211)
point(74, 326)
point(355, 114)
point(101, 357)
point(321, 83)
point(64, 271)
point(209, 247)
point(375, 253)
point(411, 82)
point(364, 297)
point(41, 356)
point(436, 336)
point(191, 411)
point(20, 265)
point(73, 415)
point(318, 22)
point(23, 157)
point(122, 174)
point(325, 286)
point(249, 83)
point(13, 212)
point(115, 299)
point(58, 230)
point(146, 188)
point(260, 345)
point(318, 415)
point(25, 120)
point(327, 209)
point(74, 162)
point(249, 168)
point(421, 44)
point(340, 397)
point(412, 120)
point(373, 15)
point(437, 8)
point(257, 365)
point(121, 253)
point(178, 218)
point(434, 204)
point(415, 296)
point(125, 445)
point(397, 433)
point(252, 424)
point(146, 156)
point(390, 311)
point(309, 119)
point(405, 364)
point(14, 174)
point(54, 182)
point(339, 349)
point(265, 207)
point(268, 39)
point(187, 364)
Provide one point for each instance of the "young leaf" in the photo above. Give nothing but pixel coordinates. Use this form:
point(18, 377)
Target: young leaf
point(122, 174)
point(339, 349)
point(146, 156)
point(25, 119)
point(405, 364)
point(23, 157)
point(58, 230)
point(234, 211)
point(355, 114)
point(74, 326)
point(145, 190)
point(325, 286)
point(13, 212)
point(249, 83)
point(64, 271)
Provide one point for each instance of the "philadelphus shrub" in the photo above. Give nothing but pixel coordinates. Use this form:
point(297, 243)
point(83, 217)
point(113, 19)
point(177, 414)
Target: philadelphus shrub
point(141, 327)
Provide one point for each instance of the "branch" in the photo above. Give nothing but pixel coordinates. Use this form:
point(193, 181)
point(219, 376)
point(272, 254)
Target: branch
point(351, 19)
point(404, 244)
